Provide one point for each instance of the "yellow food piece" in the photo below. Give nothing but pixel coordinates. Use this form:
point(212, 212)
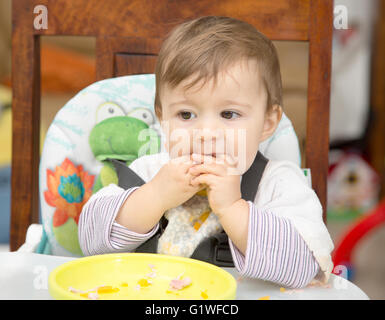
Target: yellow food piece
point(172, 291)
point(282, 289)
point(202, 193)
point(144, 283)
point(107, 289)
point(202, 218)
point(204, 295)
point(124, 284)
point(264, 298)
point(84, 295)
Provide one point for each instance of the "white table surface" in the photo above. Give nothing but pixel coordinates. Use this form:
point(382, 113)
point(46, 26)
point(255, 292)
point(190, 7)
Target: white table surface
point(24, 276)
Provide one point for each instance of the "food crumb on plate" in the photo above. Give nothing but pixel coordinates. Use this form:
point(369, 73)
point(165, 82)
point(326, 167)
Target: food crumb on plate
point(264, 298)
point(144, 282)
point(107, 289)
point(179, 284)
point(74, 290)
point(204, 294)
point(93, 296)
point(173, 292)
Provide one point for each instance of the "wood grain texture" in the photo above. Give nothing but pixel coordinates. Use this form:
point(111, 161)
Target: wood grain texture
point(376, 141)
point(128, 36)
point(25, 129)
point(317, 128)
point(117, 56)
point(286, 19)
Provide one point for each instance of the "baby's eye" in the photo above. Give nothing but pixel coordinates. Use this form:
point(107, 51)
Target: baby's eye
point(229, 114)
point(185, 115)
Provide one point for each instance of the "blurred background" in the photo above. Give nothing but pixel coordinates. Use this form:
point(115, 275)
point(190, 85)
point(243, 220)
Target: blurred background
point(357, 121)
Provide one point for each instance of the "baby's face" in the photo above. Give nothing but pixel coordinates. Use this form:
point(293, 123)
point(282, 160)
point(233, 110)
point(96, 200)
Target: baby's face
point(228, 119)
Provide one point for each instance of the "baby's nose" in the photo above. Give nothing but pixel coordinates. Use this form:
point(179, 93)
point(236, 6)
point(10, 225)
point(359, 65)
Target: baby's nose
point(208, 141)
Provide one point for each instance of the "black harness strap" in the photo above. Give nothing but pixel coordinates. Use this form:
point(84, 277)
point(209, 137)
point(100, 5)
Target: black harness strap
point(214, 249)
point(128, 178)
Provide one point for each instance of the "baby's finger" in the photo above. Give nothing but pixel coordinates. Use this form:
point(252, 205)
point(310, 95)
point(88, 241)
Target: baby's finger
point(206, 178)
point(182, 163)
point(212, 168)
point(199, 158)
point(187, 165)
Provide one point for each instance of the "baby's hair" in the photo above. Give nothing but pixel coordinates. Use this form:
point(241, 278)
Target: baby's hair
point(209, 45)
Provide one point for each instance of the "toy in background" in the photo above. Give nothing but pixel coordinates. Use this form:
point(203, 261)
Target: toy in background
point(353, 194)
point(343, 253)
point(353, 185)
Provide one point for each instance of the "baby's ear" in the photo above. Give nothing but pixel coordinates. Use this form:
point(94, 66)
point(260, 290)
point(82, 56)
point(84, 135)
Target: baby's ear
point(272, 119)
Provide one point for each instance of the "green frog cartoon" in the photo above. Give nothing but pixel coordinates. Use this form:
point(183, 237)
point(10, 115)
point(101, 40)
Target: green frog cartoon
point(121, 137)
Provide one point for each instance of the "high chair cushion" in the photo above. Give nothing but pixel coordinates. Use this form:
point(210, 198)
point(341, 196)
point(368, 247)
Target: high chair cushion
point(110, 119)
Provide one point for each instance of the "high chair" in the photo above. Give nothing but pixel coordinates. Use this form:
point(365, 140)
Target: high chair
point(128, 37)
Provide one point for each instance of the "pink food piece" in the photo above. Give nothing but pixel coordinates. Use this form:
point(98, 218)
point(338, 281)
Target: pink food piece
point(93, 296)
point(178, 284)
point(71, 289)
point(74, 290)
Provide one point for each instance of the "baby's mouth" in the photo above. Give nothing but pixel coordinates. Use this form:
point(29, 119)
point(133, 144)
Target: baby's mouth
point(214, 155)
point(211, 154)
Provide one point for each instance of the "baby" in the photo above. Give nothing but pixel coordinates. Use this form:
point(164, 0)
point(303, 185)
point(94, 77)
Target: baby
point(218, 96)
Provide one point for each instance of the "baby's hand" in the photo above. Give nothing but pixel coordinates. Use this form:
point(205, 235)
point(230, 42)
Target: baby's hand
point(224, 188)
point(172, 182)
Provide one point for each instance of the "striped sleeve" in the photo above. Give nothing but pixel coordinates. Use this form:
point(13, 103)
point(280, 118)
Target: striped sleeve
point(275, 251)
point(123, 239)
point(98, 232)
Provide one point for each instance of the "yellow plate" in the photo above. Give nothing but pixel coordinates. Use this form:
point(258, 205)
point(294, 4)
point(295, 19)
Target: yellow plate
point(124, 270)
